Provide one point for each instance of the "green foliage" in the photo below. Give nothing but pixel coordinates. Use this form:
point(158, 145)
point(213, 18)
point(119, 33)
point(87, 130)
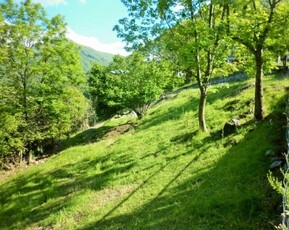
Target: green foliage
point(41, 76)
point(282, 188)
point(99, 82)
point(194, 34)
point(132, 83)
point(11, 140)
point(275, 183)
point(266, 31)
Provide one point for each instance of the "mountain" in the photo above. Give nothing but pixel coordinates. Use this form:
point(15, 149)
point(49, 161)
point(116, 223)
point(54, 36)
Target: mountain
point(90, 56)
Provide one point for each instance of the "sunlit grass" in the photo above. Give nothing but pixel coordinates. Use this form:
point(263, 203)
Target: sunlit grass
point(161, 174)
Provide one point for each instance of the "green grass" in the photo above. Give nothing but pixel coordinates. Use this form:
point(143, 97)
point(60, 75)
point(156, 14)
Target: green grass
point(162, 173)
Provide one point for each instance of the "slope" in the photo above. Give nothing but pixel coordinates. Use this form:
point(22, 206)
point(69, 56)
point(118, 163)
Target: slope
point(90, 56)
point(160, 173)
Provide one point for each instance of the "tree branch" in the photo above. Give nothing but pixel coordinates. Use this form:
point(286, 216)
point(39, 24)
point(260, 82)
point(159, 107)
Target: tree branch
point(245, 43)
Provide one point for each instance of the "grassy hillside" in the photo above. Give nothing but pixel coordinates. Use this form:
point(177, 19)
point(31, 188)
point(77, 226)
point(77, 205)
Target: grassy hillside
point(90, 56)
point(160, 173)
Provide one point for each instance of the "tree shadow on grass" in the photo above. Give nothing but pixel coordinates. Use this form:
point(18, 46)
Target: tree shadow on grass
point(233, 194)
point(176, 112)
point(85, 137)
point(197, 203)
point(223, 91)
point(30, 199)
point(93, 135)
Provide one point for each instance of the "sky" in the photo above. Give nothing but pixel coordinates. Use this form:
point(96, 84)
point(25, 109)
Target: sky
point(90, 22)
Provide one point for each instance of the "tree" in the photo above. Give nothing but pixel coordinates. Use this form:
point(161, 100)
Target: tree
point(197, 27)
point(99, 82)
point(42, 74)
point(252, 24)
point(279, 41)
point(143, 82)
point(131, 83)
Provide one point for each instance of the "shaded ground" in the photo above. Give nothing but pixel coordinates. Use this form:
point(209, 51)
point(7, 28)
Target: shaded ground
point(91, 135)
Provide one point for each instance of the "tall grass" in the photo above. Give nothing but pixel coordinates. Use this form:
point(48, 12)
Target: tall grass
point(161, 174)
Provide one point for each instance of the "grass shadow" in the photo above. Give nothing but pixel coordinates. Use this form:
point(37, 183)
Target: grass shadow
point(175, 113)
point(235, 188)
point(231, 91)
point(30, 198)
point(85, 137)
point(233, 193)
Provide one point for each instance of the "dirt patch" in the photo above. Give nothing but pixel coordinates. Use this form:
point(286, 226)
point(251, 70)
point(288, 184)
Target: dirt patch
point(110, 194)
point(118, 130)
point(101, 198)
point(13, 169)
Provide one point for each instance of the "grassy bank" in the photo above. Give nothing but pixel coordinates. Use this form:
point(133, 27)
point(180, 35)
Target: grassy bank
point(161, 173)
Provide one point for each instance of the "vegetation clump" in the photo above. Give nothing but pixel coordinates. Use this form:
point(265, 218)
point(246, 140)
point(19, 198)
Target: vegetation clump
point(41, 82)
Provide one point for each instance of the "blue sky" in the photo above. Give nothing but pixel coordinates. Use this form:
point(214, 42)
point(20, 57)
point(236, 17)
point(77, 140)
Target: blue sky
point(90, 22)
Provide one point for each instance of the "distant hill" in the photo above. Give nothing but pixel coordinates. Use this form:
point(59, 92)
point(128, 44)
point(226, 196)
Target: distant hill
point(90, 56)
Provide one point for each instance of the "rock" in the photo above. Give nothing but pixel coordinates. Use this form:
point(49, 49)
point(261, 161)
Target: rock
point(242, 115)
point(231, 127)
point(249, 102)
point(270, 153)
point(276, 164)
point(231, 142)
point(132, 114)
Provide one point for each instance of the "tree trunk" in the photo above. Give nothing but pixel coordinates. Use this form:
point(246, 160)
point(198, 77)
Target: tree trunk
point(20, 157)
point(259, 109)
point(201, 113)
point(188, 76)
point(203, 81)
point(25, 99)
point(203, 96)
point(284, 67)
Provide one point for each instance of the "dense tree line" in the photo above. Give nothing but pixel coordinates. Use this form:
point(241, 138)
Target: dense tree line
point(41, 81)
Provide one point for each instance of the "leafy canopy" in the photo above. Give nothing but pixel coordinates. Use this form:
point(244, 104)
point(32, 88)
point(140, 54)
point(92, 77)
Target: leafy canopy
point(132, 83)
point(42, 77)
